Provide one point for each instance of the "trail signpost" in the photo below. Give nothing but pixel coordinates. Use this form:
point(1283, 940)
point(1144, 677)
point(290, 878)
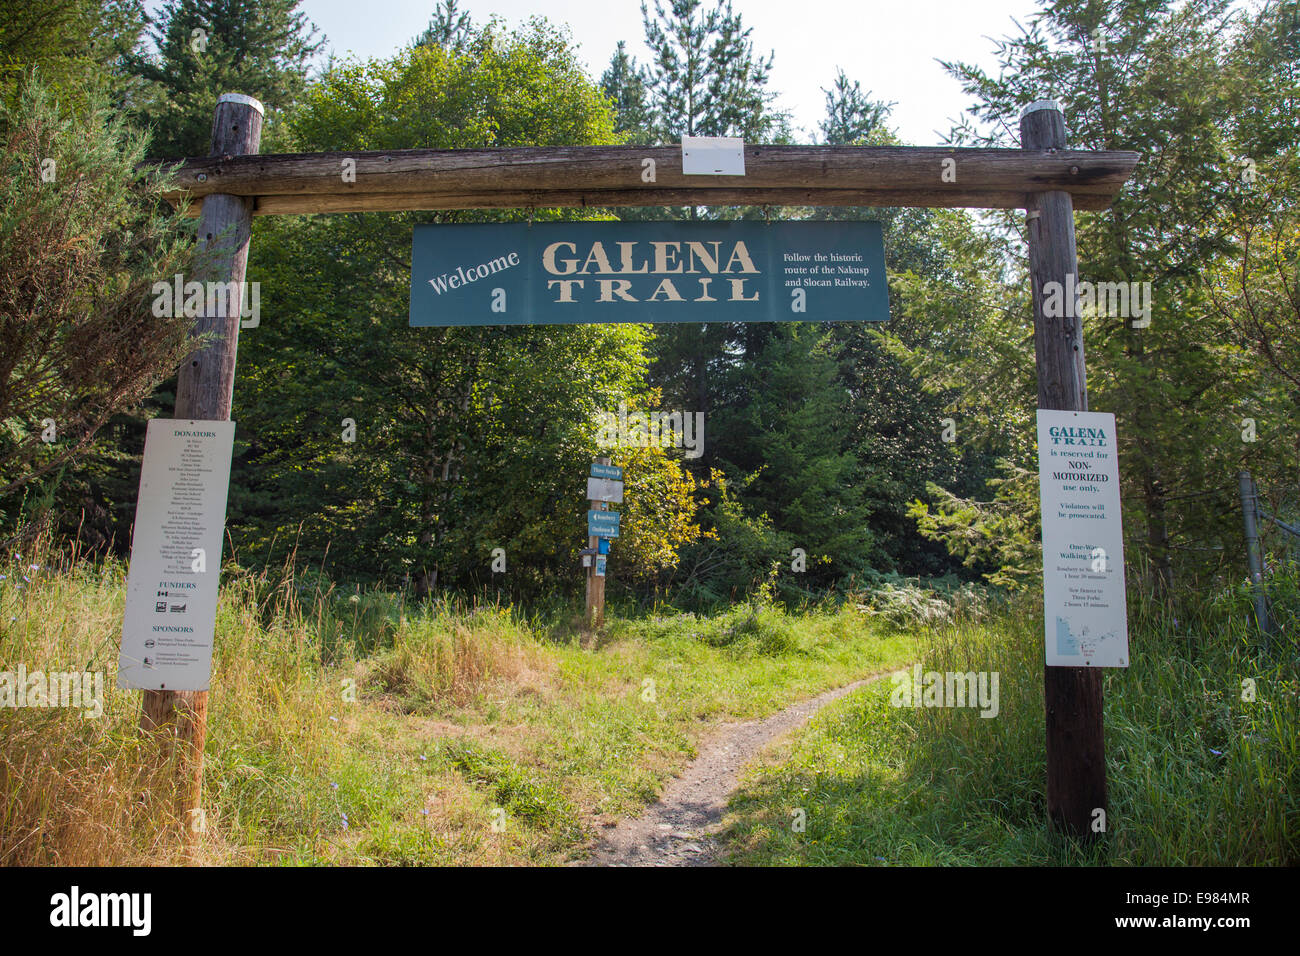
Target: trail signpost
point(605, 484)
point(662, 272)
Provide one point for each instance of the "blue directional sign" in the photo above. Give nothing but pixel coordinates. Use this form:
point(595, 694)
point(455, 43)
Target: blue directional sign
point(576, 272)
point(602, 524)
point(613, 472)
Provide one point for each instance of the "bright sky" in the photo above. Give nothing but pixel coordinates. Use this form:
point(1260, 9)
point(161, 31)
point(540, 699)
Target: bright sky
point(890, 47)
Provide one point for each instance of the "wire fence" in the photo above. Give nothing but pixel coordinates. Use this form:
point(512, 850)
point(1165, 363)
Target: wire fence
point(1259, 522)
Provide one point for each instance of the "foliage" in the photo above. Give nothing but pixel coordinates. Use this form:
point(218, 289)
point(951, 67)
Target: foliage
point(784, 424)
point(78, 46)
point(449, 27)
point(1001, 533)
point(908, 604)
point(1200, 773)
point(468, 439)
point(84, 240)
point(1164, 79)
point(704, 78)
point(259, 48)
point(851, 115)
point(659, 515)
point(736, 555)
point(624, 83)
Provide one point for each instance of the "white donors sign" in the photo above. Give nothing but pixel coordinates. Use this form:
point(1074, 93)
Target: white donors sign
point(171, 588)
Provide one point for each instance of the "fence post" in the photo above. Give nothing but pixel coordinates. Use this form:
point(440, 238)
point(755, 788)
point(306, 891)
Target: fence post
point(1250, 518)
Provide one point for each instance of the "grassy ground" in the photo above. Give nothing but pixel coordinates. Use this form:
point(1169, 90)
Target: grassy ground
point(1197, 774)
point(367, 732)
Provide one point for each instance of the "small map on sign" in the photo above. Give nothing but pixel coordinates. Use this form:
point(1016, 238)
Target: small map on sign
point(1083, 644)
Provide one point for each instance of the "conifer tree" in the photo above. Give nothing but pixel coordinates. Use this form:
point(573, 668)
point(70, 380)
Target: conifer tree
point(851, 115)
point(625, 85)
point(449, 27)
point(1152, 76)
point(704, 77)
point(77, 46)
point(261, 48)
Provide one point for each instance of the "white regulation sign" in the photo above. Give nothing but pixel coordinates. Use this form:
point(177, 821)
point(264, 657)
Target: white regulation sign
point(1083, 540)
point(605, 489)
point(171, 589)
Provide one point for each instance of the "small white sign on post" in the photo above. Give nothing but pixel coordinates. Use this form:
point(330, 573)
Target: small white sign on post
point(171, 589)
point(713, 156)
point(605, 489)
point(1085, 614)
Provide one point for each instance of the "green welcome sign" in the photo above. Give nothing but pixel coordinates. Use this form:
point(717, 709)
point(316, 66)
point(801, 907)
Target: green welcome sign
point(574, 272)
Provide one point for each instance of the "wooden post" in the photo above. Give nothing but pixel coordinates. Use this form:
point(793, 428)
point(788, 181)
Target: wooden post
point(1076, 755)
point(204, 390)
point(1250, 519)
point(596, 583)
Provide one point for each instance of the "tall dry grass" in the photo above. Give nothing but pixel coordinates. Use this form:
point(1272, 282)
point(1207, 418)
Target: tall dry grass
point(290, 654)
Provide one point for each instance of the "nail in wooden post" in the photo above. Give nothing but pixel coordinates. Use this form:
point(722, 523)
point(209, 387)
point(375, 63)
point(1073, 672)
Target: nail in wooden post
point(204, 391)
point(1076, 754)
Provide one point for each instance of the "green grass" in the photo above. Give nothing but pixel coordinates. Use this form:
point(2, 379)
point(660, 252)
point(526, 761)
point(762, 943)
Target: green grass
point(363, 730)
point(359, 729)
point(1197, 775)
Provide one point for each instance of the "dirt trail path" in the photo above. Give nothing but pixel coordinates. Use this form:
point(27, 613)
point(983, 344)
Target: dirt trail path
point(678, 830)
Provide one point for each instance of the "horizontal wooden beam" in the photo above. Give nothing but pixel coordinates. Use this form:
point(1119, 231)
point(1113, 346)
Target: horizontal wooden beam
point(601, 176)
point(288, 205)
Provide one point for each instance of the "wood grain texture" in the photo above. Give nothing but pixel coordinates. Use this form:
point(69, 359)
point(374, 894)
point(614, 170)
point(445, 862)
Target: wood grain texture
point(205, 386)
point(304, 204)
point(614, 175)
point(1075, 738)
